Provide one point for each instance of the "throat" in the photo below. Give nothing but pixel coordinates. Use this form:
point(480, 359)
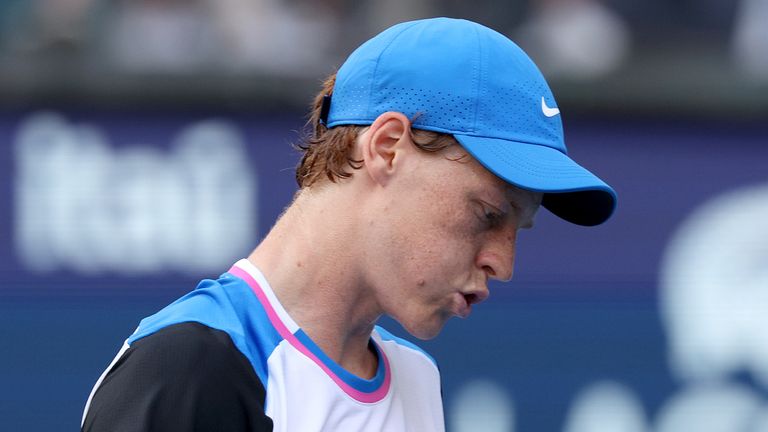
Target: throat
point(362, 363)
point(368, 367)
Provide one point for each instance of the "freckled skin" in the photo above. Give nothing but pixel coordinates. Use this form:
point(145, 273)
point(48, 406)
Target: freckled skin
point(435, 242)
point(411, 234)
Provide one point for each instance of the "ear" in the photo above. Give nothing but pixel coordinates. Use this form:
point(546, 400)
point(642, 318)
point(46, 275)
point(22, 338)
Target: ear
point(384, 145)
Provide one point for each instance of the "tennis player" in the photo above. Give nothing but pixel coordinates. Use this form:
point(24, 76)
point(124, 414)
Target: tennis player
point(435, 142)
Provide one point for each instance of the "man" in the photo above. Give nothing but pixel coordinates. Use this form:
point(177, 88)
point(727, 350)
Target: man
point(435, 142)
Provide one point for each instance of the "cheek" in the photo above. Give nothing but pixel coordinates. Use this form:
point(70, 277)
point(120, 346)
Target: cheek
point(427, 239)
point(436, 253)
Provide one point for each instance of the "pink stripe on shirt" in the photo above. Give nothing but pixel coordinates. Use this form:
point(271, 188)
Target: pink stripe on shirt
point(364, 397)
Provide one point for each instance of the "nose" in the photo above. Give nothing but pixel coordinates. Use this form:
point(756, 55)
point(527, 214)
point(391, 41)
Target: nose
point(497, 257)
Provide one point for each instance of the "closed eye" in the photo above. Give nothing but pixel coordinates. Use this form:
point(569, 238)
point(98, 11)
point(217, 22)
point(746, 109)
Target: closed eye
point(493, 218)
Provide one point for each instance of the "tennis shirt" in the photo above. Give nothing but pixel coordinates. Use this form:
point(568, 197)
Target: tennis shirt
point(228, 357)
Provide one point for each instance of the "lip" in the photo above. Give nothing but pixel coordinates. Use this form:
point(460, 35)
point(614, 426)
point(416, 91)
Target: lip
point(463, 306)
point(465, 299)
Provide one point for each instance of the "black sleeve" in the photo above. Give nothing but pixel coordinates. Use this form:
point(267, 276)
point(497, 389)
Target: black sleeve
point(185, 377)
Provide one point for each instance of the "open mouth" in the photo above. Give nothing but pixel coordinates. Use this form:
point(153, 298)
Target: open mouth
point(464, 304)
point(471, 299)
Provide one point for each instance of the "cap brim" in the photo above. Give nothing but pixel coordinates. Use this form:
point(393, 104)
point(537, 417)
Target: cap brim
point(570, 191)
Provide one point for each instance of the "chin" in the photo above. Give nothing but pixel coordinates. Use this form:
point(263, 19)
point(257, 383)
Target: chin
point(424, 330)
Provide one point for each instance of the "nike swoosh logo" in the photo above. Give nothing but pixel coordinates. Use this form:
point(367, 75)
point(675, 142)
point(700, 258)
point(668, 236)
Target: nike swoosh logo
point(549, 112)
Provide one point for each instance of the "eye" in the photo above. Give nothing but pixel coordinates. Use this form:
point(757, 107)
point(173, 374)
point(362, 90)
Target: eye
point(488, 215)
point(493, 218)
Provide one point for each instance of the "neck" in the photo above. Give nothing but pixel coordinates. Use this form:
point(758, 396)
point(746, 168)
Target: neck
point(310, 262)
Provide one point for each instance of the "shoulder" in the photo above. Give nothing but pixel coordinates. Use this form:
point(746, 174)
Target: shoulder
point(212, 303)
point(185, 374)
point(226, 304)
point(187, 347)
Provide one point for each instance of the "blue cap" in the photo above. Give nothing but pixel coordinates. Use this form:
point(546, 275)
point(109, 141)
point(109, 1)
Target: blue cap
point(461, 78)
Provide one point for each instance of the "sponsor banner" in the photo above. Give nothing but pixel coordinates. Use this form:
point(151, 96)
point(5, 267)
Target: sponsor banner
point(650, 322)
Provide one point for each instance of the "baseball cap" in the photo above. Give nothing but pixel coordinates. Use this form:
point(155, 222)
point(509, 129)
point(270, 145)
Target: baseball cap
point(458, 77)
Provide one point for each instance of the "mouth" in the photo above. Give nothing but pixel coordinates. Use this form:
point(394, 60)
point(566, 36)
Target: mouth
point(465, 300)
point(464, 304)
point(471, 299)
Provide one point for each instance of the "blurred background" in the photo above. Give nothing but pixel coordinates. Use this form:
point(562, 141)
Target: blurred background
point(146, 144)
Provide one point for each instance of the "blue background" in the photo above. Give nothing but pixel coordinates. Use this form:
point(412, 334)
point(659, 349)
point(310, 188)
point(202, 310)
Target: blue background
point(583, 305)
